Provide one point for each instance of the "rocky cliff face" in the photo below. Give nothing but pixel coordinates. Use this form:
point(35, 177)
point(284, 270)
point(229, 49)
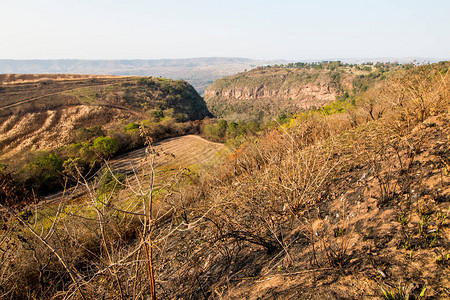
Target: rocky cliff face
point(263, 92)
point(304, 96)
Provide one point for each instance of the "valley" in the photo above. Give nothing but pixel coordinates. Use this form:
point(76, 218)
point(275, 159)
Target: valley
point(332, 183)
point(224, 150)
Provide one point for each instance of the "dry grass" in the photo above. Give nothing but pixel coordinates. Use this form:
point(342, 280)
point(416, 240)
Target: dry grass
point(331, 207)
point(7, 79)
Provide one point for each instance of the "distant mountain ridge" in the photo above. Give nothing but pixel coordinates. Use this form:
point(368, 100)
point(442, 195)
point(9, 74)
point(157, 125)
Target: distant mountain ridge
point(200, 72)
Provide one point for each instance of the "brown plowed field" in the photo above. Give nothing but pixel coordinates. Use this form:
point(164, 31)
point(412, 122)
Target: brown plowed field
point(172, 154)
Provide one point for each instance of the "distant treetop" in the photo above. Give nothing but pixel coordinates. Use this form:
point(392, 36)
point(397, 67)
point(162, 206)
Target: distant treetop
point(336, 65)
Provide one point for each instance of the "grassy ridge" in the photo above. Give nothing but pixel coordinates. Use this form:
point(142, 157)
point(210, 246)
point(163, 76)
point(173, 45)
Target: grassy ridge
point(141, 93)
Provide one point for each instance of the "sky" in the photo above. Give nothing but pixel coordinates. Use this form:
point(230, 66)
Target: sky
point(263, 29)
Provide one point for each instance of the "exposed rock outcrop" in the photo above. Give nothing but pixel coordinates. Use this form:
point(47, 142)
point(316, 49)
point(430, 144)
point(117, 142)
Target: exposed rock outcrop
point(268, 91)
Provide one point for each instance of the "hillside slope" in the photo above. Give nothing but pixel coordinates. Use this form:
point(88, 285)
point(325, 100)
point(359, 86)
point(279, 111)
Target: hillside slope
point(346, 206)
point(188, 151)
point(39, 112)
point(349, 205)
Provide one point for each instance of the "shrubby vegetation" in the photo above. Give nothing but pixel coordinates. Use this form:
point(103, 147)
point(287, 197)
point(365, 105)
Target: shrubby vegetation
point(47, 171)
point(338, 65)
point(345, 201)
point(166, 97)
point(88, 134)
point(224, 131)
point(44, 172)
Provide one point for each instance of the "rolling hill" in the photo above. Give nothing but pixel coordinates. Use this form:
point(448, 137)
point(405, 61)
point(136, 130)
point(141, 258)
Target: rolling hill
point(42, 112)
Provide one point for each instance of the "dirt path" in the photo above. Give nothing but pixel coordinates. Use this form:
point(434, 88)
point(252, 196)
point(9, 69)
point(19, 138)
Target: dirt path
point(172, 153)
point(46, 95)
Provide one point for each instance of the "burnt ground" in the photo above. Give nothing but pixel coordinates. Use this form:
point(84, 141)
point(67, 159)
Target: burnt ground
point(383, 226)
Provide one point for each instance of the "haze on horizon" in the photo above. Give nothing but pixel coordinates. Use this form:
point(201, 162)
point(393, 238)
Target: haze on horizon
point(292, 30)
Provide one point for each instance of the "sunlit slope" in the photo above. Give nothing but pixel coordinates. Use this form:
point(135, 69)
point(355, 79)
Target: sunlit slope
point(39, 112)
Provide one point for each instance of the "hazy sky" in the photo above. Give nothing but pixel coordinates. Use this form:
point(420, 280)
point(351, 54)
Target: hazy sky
point(289, 29)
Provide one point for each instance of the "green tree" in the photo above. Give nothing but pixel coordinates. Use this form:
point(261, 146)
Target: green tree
point(105, 146)
point(44, 173)
point(283, 118)
point(222, 128)
point(132, 126)
point(232, 130)
point(88, 134)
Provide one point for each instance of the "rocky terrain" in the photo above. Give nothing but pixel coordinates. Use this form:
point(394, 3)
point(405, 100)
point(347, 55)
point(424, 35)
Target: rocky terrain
point(267, 91)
